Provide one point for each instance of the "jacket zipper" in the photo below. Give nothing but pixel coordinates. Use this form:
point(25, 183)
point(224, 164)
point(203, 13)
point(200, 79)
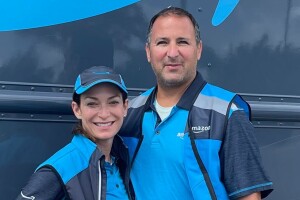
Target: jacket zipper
point(99, 181)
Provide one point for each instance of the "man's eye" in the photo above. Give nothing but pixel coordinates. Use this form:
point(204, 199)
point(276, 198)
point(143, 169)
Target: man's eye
point(183, 42)
point(161, 43)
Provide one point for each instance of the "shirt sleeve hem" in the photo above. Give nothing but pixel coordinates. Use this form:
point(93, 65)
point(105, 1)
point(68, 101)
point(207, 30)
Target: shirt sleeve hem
point(265, 189)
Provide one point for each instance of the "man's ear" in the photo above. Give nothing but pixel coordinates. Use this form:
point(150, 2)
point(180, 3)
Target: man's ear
point(76, 110)
point(147, 48)
point(199, 50)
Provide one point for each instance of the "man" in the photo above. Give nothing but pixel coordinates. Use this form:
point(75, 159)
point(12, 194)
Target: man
point(189, 139)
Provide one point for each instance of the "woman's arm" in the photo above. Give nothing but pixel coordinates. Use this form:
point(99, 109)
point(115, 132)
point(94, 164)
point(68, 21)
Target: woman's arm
point(43, 184)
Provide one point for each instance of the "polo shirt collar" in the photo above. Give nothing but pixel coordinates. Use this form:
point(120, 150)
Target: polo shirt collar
point(189, 96)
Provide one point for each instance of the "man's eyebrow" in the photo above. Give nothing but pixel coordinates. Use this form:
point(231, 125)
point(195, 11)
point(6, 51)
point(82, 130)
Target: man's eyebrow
point(161, 38)
point(182, 38)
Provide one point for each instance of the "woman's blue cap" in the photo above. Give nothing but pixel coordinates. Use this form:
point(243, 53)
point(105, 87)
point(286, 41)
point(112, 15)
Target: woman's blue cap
point(95, 75)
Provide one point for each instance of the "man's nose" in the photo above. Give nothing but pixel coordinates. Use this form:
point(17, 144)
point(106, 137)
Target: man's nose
point(173, 51)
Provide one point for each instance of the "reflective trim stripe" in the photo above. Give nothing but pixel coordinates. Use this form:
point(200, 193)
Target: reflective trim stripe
point(140, 100)
point(25, 197)
point(214, 91)
point(211, 103)
point(214, 98)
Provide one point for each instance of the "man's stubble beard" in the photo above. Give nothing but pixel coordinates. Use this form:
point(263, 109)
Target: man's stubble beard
point(184, 79)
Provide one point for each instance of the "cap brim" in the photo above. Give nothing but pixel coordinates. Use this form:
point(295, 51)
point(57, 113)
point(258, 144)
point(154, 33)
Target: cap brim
point(81, 89)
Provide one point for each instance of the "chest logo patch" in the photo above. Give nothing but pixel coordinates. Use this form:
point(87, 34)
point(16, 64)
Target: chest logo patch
point(200, 129)
point(180, 135)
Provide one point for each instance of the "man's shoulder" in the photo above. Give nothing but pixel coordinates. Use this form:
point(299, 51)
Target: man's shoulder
point(225, 97)
point(141, 99)
point(217, 92)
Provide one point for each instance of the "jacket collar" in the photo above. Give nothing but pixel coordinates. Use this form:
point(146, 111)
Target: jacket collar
point(88, 147)
point(84, 145)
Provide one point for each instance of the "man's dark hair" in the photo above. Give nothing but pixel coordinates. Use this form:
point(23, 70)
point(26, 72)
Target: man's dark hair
point(174, 11)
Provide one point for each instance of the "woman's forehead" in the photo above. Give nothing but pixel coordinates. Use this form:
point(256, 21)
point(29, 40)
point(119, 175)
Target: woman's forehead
point(103, 89)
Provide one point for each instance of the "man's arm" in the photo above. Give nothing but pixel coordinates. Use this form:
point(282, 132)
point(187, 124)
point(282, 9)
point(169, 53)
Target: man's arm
point(253, 196)
point(242, 171)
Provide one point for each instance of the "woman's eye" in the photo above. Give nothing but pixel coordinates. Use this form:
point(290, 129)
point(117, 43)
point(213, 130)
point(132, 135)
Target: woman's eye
point(91, 104)
point(114, 102)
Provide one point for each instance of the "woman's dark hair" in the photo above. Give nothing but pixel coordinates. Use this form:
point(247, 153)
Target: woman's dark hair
point(78, 127)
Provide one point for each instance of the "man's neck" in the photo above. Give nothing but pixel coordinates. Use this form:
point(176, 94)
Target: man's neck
point(168, 97)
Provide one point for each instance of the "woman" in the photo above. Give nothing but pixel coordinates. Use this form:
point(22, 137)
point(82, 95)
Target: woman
point(95, 165)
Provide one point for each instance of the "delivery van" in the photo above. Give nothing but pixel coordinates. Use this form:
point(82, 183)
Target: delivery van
point(249, 47)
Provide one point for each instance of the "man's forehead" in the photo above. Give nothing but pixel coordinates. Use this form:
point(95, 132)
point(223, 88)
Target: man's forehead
point(169, 20)
point(182, 29)
point(171, 15)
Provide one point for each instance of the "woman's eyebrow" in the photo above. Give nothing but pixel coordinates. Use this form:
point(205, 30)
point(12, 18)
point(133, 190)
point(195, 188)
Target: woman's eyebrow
point(114, 96)
point(95, 98)
point(90, 97)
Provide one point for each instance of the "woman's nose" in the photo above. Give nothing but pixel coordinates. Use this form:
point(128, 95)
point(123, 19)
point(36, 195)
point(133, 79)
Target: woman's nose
point(103, 112)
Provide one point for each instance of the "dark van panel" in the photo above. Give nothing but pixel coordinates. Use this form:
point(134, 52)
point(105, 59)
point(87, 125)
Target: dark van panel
point(254, 51)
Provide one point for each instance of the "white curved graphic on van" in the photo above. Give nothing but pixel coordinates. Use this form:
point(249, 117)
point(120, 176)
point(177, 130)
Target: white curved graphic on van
point(17, 15)
point(223, 10)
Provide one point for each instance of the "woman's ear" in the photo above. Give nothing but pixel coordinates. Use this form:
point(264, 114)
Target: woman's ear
point(125, 107)
point(76, 109)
